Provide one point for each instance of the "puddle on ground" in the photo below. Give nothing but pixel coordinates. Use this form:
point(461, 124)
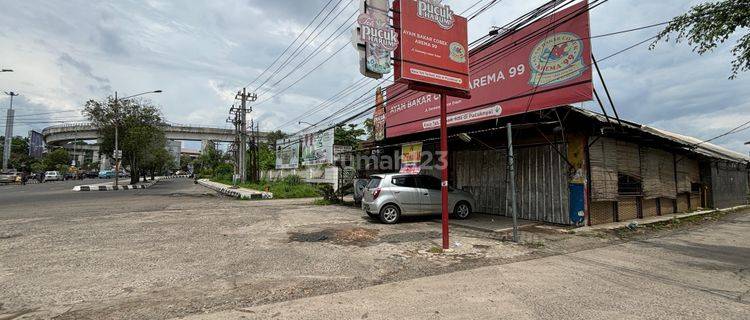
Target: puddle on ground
point(351, 236)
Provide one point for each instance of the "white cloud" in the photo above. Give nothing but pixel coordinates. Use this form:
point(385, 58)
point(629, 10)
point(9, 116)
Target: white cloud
point(201, 53)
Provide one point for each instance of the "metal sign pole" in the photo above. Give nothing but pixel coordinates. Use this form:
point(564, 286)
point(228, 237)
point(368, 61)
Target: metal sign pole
point(444, 163)
point(512, 178)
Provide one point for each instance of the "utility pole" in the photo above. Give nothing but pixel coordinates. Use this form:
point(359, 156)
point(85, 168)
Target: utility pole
point(512, 178)
point(235, 121)
point(243, 96)
point(8, 131)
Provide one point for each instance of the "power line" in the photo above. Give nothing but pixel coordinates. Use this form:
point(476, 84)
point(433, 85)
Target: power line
point(290, 45)
point(294, 54)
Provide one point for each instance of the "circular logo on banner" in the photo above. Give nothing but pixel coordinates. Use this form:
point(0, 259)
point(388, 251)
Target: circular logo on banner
point(556, 59)
point(458, 52)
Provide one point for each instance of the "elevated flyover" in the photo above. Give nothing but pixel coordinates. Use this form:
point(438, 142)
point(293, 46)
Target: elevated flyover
point(59, 135)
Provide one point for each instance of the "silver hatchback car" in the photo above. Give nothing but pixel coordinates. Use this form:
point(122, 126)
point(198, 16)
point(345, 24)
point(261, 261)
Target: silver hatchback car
point(389, 196)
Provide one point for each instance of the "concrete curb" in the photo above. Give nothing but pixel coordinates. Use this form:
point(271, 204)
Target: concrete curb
point(650, 220)
point(110, 188)
point(226, 190)
point(125, 187)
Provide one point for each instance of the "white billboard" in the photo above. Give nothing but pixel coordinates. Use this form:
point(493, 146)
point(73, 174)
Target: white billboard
point(287, 153)
point(317, 148)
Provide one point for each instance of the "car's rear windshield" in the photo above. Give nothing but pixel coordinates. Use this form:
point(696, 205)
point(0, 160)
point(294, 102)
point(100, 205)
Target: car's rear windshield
point(374, 182)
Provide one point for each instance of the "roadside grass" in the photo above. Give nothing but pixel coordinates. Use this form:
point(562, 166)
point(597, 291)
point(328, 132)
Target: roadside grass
point(291, 187)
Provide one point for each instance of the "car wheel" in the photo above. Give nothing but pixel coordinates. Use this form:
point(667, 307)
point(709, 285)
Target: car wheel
point(462, 210)
point(390, 214)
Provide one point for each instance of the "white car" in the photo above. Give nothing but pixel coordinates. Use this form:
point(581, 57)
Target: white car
point(52, 176)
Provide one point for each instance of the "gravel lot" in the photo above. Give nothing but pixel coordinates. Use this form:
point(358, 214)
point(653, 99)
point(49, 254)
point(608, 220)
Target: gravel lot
point(178, 249)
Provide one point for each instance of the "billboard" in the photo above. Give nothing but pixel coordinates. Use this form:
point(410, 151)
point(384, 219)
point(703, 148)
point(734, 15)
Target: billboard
point(375, 39)
point(317, 148)
point(378, 119)
point(411, 158)
point(287, 153)
point(543, 65)
point(433, 45)
point(36, 144)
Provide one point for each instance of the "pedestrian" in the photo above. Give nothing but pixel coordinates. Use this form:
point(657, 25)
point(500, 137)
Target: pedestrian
point(24, 178)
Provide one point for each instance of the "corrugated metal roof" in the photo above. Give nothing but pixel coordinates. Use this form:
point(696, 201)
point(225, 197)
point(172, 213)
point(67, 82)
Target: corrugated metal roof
point(688, 143)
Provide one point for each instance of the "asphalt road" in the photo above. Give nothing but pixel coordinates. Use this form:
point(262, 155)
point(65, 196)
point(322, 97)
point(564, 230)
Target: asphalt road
point(40, 200)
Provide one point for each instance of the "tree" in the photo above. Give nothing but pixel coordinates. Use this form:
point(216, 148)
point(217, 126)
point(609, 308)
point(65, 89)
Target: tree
point(19, 153)
point(348, 135)
point(54, 159)
point(706, 25)
point(185, 161)
point(273, 136)
point(369, 125)
point(266, 156)
point(158, 160)
point(139, 126)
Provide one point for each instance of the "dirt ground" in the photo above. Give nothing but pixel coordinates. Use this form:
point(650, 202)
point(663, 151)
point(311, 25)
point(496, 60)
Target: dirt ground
point(185, 251)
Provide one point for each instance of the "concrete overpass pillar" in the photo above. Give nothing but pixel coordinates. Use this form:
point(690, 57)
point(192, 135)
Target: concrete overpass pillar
point(104, 163)
point(205, 144)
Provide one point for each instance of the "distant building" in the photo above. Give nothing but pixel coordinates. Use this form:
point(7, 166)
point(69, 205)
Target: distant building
point(192, 153)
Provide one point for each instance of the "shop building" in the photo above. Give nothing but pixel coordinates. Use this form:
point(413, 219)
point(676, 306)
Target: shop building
point(576, 167)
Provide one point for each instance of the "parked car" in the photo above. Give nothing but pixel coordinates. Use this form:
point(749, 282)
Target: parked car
point(106, 174)
point(10, 176)
point(52, 176)
point(390, 196)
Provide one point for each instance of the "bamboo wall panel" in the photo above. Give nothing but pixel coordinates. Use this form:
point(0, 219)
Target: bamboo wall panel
point(628, 158)
point(682, 203)
point(649, 207)
point(688, 172)
point(667, 205)
point(602, 212)
point(627, 209)
point(657, 167)
point(603, 161)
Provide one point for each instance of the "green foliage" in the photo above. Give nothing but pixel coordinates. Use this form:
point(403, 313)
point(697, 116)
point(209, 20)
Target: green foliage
point(326, 190)
point(293, 180)
point(52, 160)
point(185, 161)
point(19, 153)
point(273, 136)
point(288, 188)
point(266, 157)
point(348, 135)
point(139, 129)
point(38, 167)
point(369, 125)
point(706, 25)
point(223, 171)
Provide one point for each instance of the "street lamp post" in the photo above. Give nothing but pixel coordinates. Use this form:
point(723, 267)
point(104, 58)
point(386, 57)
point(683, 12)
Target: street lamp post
point(8, 131)
point(117, 152)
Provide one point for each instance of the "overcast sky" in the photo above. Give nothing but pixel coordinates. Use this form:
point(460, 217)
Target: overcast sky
point(201, 52)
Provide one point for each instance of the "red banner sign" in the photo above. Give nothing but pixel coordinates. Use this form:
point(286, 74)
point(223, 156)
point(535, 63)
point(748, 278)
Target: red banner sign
point(433, 45)
point(544, 65)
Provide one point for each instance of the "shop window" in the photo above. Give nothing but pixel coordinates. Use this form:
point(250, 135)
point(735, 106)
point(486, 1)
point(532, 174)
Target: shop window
point(629, 185)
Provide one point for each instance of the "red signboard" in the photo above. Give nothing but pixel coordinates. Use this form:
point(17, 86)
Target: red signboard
point(543, 65)
point(433, 45)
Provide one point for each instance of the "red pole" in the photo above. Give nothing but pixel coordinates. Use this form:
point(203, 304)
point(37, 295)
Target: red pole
point(444, 162)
